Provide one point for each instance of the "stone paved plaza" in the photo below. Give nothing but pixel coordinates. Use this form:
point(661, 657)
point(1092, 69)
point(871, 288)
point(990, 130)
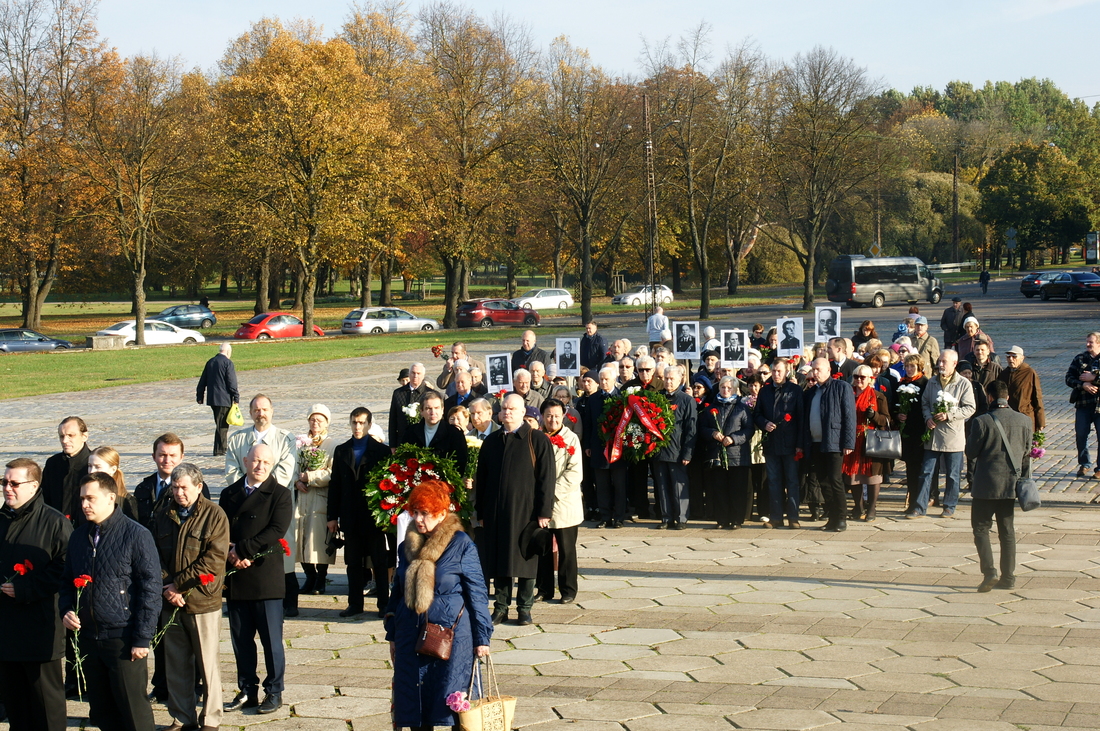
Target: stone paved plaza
point(879, 626)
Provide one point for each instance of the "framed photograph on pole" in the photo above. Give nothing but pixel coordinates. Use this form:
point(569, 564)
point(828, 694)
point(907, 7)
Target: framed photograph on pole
point(500, 372)
point(685, 339)
point(735, 349)
point(568, 356)
point(826, 323)
point(791, 336)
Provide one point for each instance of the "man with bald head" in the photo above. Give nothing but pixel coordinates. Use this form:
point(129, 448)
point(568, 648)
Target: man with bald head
point(260, 510)
point(516, 477)
point(219, 384)
point(529, 352)
point(829, 433)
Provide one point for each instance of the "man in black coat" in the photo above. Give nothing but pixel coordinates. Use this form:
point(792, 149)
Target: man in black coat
point(402, 397)
point(593, 347)
point(219, 382)
point(780, 415)
point(348, 511)
point(445, 440)
point(529, 352)
point(951, 322)
point(37, 536)
point(117, 611)
point(828, 435)
point(63, 472)
point(839, 362)
point(670, 464)
point(516, 477)
point(259, 511)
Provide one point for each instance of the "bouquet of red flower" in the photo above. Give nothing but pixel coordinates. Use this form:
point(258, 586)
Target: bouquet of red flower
point(389, 485)
point(635, 425)
point(439, 352)
point(558, 441)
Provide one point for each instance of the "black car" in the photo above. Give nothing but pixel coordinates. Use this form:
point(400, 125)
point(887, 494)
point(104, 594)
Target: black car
point(19, 340)
point(1072, 285)
point(188, 316)
point(1032, 284)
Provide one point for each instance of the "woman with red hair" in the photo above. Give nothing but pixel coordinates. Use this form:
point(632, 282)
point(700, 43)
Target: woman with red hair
point(438, 580)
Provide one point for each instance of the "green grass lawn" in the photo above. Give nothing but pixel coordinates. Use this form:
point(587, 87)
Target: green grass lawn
point(34, 374)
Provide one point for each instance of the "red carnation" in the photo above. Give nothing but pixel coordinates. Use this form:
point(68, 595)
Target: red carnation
point(206, 579)
point(285, 545)
point(786, 417)
point(411, 463)
point(572, 451)
point(20, 569)
point(81, 581)
point(393, 519)
point(572, 419)
point(836, 375)
point(673, 407)
point(714, 412)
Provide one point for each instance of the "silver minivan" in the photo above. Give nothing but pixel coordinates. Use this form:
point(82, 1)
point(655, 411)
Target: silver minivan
point(858, 280)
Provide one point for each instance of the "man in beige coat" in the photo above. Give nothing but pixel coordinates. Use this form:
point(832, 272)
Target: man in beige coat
point(568, 507)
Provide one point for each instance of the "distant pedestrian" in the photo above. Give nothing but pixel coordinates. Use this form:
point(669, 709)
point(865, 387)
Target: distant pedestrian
point(656, 323)
point(983, 280)
point(996, 452)
point(219, 383)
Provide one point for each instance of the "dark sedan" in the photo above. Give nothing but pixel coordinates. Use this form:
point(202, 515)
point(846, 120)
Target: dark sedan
point(1072, 285)
point(188, 316)
point(18, 340)
point(489, 312)
point(1032, 284)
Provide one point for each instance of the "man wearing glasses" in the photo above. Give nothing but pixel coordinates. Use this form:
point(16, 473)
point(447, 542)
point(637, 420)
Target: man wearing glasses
point(626, 371)
point(36, 537)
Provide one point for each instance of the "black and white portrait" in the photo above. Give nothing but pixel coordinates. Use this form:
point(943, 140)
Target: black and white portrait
point(826, 323)
point(735, 352)
point(500, 376)
point(791, 336)
point(568, 350)
point(685, 336)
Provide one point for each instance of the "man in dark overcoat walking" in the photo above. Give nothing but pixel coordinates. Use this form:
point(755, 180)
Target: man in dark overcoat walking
point(259, 511)
point(515, 487)
point(348, 511)
point(219, 383)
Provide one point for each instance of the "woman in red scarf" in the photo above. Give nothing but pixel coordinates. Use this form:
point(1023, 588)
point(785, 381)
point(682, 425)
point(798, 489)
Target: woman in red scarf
point(865, 473)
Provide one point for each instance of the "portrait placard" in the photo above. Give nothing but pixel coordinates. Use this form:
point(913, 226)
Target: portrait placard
point(735, 350)
point(826, 323)
point(685, 340)
point(791, 336)
point(500, 372)
point(567, 352)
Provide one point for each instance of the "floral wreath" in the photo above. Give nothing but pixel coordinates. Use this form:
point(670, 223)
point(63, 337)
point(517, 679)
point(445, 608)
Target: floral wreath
point(389, 484)
point(635, 425)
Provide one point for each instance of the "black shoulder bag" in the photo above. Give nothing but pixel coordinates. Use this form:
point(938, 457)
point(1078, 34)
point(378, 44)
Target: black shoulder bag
point(1027, 492)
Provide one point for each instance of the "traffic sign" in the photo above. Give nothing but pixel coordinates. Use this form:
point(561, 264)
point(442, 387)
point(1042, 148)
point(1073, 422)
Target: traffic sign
point(876, 250)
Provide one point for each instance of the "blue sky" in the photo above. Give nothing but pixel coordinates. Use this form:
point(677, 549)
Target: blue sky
point(901, 44)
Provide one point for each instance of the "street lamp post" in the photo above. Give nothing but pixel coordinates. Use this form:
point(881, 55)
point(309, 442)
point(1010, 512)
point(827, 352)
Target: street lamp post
point(651, 206)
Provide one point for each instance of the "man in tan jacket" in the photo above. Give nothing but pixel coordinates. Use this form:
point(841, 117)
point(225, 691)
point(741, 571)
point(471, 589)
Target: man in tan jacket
point(192, 536)
point(1025, 393)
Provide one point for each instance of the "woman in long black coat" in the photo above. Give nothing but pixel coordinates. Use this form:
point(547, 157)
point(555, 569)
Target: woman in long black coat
point(727, 425)
point(911, 426)
point(438, 580)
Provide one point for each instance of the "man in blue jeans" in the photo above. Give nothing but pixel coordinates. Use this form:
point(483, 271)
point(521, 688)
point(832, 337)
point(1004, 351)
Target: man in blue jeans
point(779, 414)
point(1082, 378)
point(947, 402)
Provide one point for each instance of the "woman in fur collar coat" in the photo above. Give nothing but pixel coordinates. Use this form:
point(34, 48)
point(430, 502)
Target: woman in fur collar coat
point(438, 580)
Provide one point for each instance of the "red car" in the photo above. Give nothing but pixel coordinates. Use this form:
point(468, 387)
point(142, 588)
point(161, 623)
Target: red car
point(489, 312)
point(272, 325)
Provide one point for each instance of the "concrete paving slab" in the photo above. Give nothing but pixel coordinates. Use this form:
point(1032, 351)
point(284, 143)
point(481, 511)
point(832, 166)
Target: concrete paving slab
point(784, 720)
point(618, 711)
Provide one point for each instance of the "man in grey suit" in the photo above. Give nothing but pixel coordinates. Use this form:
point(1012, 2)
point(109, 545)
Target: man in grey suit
point(994, 489)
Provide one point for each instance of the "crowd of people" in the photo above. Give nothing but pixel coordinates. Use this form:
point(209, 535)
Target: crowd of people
point(100, 576)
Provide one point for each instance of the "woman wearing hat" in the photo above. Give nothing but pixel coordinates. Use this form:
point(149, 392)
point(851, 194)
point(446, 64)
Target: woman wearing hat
point(311, 514)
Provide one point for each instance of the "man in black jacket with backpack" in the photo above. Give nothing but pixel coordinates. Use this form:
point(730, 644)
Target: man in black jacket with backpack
point(118, 608)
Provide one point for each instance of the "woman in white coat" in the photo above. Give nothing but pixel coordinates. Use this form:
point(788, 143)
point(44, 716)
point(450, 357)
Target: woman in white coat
point(311, 510)
point(568, 512)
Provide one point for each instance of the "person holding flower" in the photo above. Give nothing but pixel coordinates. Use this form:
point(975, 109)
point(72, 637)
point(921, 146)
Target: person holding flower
point(438, 580)
point(946, 404)
point(863, 473)
point(726, 430)
point(192, 536)
point(906, 409)
point(311, 511)
point(116, 615)
point(35, 539)
point(779, 414)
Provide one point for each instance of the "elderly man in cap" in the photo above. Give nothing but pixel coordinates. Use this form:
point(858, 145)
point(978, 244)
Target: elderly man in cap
point(192, 536)
point(31, 533)
point(925, 345)
point(1025, 393)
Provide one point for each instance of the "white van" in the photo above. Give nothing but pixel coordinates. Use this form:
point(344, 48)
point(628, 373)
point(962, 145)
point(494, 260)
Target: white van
point(857, 280)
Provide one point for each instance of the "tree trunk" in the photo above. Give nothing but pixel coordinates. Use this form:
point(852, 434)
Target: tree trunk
point(734, 279)
point(511, 278)
point(223, 286)
point(677, 276)
point(263, 282)
point(464, 280)
point(586, 274)
point(366, 270)
point(559, 245)
point(808, 279)
point(451, 274)
point(385, 295)
point(299, 284)
point(139, 305)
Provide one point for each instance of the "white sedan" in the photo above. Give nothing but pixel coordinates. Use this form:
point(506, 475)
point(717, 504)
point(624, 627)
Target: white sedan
point(156, 333)
point(385, 320)
point(641, 294)
point(545, 299)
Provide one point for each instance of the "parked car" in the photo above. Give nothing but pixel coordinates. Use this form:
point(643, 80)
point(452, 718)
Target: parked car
point(545, 299)
point(859, 280)
point(1072, 285)
point(273, 325)
point(385, 320)
point(156, 333)
point(489, 312)
point(18, 340)
point(1034, 282)
point(641, 294)
point(188, 316)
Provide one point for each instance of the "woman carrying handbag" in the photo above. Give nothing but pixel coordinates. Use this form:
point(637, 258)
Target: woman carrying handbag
point(437, 620)
point(863, 472)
